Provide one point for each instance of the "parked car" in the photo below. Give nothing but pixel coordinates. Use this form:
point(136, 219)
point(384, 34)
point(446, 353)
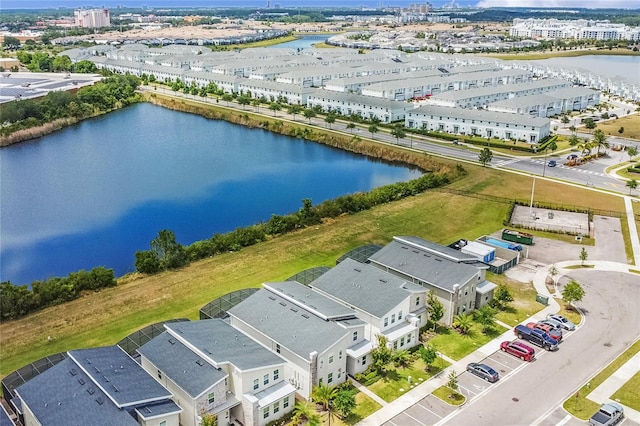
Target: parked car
point(553, 323)
point(608, 415)
point(555, 333)
point(566, 324)
point(518, 349)
point(483, 371)
point(551, 163)
point(535, 336)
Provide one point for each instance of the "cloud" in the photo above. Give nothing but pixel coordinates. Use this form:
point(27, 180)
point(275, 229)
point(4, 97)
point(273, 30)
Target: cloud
point(593, 4)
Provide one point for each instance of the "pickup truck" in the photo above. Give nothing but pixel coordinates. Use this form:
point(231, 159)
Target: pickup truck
point(608, 415)
point(535, 336)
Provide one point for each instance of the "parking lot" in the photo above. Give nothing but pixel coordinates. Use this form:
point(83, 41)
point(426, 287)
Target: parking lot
point(431, 410)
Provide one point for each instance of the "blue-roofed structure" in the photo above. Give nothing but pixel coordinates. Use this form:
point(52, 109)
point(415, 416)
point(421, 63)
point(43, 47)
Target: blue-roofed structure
point(67, 394)
point(214, 368)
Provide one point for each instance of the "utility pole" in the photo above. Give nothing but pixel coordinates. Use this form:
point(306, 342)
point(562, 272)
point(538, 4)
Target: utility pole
point(533, 187)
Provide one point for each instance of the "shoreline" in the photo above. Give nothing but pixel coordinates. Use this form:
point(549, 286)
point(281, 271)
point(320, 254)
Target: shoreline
point(529, 56)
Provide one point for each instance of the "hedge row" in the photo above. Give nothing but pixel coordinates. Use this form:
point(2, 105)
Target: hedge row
point(16, 301)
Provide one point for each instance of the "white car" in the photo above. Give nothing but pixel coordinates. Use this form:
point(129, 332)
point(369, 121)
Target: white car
point(561, 321)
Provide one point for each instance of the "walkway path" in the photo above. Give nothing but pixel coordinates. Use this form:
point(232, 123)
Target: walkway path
point(603, 393)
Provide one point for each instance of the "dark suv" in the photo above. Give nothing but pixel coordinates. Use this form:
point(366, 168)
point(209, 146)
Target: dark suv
point(537, 337)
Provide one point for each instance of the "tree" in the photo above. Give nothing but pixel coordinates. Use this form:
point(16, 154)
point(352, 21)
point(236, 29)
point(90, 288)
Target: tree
point(351, 126)
point(227, 97)
point(373, 129)
point(452, 382)
point(632, 151)
point(208, 419)
point(309, 114)
point(501, 297)
point(345, 402)
point(330, 118)
point(583, 256)
point(244, 100)
point(381, 355)
point(170, 253)
point(428, 354)
point(402, 358)
point(573, 140)
point(565, 119)
point(572, 128)
point(275, 107)
point(398, 132)
point(147, 262)
point(600, 140)
point(62, 63)
point(10, 42)
point(434, 308)
point(632, 184)
point(621, 130)
point(485, 156)
point(324, 394)
point(589, 123)
point(462, 322)
point(88, 67)
point(572, 292)
point(486, 316)
point(305, 411)
point(294, 110)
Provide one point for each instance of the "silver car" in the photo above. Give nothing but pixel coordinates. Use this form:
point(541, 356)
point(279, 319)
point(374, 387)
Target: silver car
point(561, 321)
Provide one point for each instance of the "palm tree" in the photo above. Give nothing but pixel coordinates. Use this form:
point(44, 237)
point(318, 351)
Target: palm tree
point(462, 322)
point(324, 394)
point(632, 184)
point(402, 358)
point(600, 140)
point(304, 410)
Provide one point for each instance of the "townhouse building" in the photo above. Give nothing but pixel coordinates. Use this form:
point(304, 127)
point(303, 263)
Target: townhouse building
point(457, 279)
point(97, 386)
point(368, 107)
point(213, 368)
point(550, 103)
point(487, 124)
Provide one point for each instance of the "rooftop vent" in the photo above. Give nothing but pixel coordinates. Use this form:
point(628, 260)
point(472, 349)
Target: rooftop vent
point(100, 400)
point(90, 390)
point(272, 298)
point(305, 316)
point(173, 342)
point(97, 369)
point(81, 380)
point(283, 304)
point(73, 371)
point(115, 388)
point(199, 362)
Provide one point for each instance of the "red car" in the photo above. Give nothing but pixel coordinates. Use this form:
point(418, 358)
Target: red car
point(554, 333)
point(518, 349)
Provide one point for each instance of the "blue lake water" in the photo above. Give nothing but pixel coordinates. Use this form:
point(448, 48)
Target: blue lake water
point(95, 193)
point(303, 42)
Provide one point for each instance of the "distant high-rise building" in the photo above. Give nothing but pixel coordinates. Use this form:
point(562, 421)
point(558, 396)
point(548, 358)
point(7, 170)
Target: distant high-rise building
point(92, 18)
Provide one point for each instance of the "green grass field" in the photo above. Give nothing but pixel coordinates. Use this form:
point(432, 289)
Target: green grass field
point(396, 382)
point(445, 394)
point(629, 393)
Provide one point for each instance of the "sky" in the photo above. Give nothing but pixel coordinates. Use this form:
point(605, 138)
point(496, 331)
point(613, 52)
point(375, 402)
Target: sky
point(36, 4)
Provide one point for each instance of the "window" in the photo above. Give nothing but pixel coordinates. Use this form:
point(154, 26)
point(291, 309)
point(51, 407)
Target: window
point(395, 345)
point(256, 384)
point(393, 318)
point(277, 348)
point(159, 374)
point(331, 359)
point(285, 402)
point(401, 341)
point(266, 379)
point(265, 412)
point(355, 336)
point(211, 398)
point(399, 315)
point(417, 301)
point(386, 321)
point(364, 360)
point(163, 423)
point(408, 338)
point(330, 378)
point(276, 375)
point(339, 372)
point(340, 355)
point(276, 407)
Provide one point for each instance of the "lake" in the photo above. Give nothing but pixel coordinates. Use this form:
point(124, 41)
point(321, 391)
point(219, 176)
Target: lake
point(95, 193)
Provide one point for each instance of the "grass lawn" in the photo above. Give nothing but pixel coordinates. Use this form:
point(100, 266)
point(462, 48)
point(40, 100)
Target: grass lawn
point(445, 394)
point(396, 382)
point(457, 346)
point(569, 314)
point(584, 408)
point(105, 317)
point(524, 304)
point(631, 124)
point(364, 408)
point(562, 53)
point(579, 266)
point(629, 393)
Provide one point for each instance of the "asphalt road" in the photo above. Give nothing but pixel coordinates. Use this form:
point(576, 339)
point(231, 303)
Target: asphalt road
point(533, 394)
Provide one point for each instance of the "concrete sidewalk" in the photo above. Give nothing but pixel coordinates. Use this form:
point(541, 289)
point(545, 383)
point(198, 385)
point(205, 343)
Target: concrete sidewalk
point(603, 393)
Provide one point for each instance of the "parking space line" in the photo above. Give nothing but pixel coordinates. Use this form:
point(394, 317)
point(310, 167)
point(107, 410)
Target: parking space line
point(501, 363)
point(425, 408)
point(424, 424)
point(565, 420)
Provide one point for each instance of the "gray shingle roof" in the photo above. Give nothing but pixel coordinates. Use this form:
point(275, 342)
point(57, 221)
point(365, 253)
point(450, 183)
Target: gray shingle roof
point(221, 343)
point(353, 99)
point(65, 396)
point(365, 287)
point(429, 262)
point(184, 367)
point(307, 299)
point(479, 114)
point(515, 88)
point(160, 409)
point(124, 380)
point(287, 324)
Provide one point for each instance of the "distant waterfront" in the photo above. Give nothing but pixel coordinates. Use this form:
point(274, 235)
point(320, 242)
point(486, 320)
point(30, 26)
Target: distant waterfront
point(93, 194)
point(615, 67)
